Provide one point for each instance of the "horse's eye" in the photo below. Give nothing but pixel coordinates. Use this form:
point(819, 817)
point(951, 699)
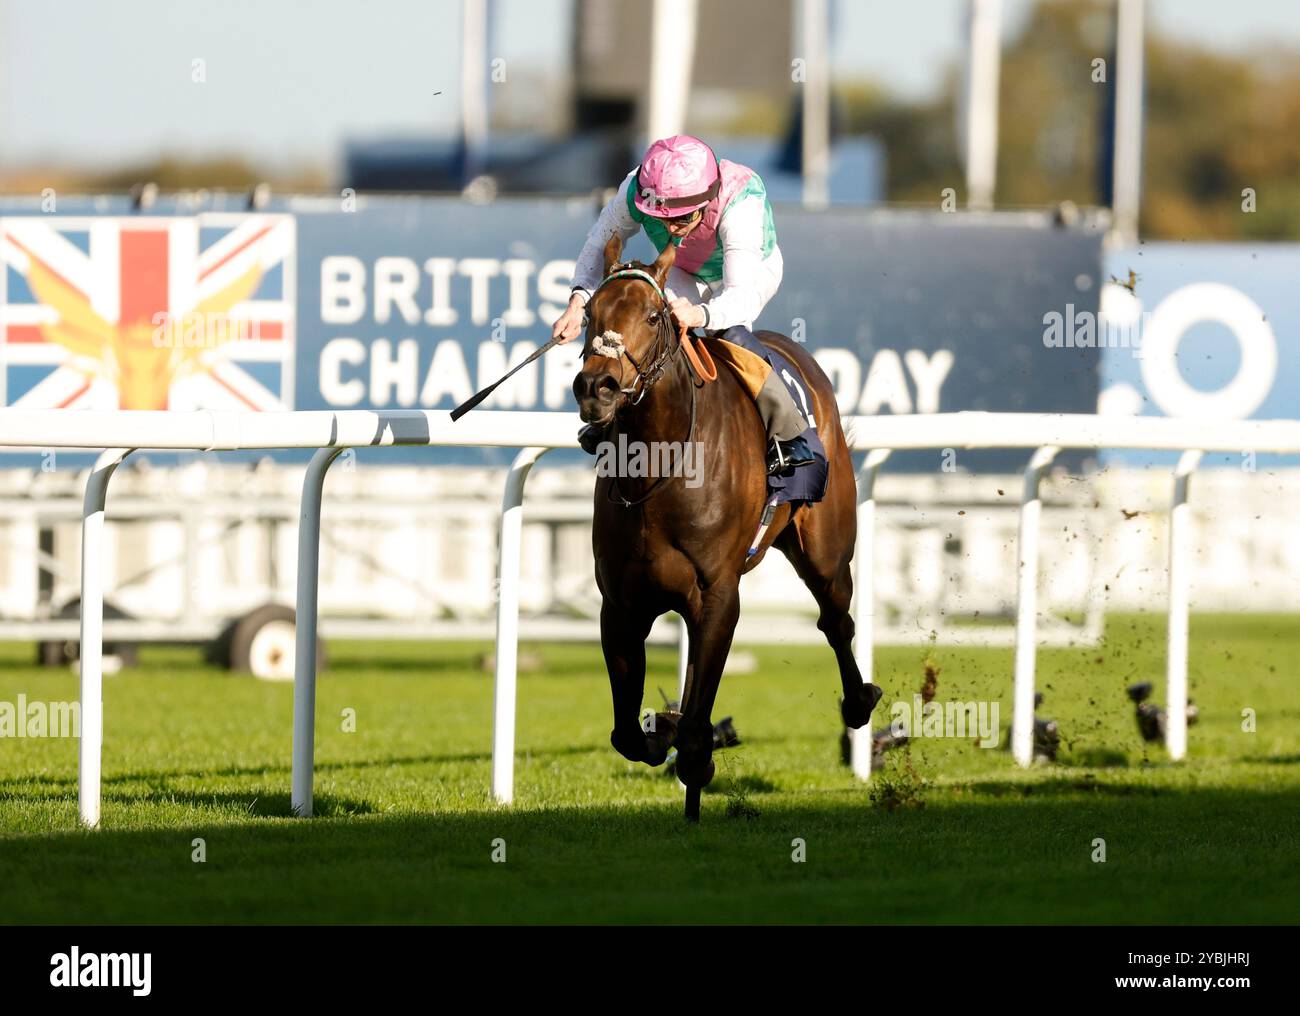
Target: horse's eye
point(653, 319)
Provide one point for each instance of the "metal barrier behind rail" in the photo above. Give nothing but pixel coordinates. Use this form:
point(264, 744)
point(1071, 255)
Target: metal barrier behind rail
point(124, 431)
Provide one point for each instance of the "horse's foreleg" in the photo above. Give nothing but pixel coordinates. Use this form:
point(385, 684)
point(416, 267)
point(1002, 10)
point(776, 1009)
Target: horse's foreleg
point(622, 637)
point(711, 631)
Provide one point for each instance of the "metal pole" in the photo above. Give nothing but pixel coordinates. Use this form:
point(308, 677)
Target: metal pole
point(983, 72)
point(474, 84)
point(672, 56)
point(304, 666)
point(504, 693)
point(816, 104)
point(1022, 721)
point(683, 657)
point(864, 611)
point(1128, 120)
point(1180, 540)
point(91, 749)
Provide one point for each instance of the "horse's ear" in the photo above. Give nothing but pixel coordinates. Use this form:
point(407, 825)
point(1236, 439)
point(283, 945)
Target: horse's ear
point(664, 263)
point(613, 250)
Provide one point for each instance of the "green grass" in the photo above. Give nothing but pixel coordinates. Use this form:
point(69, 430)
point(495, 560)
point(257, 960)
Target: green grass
point(404, 829)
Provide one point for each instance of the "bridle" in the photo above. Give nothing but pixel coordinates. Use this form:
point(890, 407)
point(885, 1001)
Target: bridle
point(665, 350)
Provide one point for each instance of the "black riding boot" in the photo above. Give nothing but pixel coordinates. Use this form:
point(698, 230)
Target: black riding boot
point(786, 456)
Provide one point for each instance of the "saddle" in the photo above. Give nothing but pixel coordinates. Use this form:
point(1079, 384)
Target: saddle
point(754, 364)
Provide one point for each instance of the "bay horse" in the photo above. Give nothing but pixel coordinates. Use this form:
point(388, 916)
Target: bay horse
point(661, 545)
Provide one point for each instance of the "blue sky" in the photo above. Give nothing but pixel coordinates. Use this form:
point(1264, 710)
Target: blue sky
point(101, 84)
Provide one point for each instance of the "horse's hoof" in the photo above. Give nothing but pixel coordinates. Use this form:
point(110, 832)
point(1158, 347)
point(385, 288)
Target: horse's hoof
point(659, 740)
point(633, 745)
point(694, 776)
point(857, 710)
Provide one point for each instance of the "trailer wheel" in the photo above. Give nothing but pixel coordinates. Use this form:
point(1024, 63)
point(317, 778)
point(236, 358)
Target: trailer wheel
point(54, 653)
point(263, 642)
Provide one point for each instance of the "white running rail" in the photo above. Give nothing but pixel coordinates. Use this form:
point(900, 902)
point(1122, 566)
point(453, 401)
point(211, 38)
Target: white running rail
point(124, 431)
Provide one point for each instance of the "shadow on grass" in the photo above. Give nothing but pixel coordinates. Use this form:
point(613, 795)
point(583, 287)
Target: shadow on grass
point(1274, 760)
point(22, 786)
point(1064, 786)
point(749, 784)
point(255, 803)
point(1096, 758)
point(999, 855)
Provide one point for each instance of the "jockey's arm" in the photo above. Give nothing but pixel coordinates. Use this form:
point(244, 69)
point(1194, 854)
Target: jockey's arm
point(590, 267)
point(614, 218)
point(744, 284)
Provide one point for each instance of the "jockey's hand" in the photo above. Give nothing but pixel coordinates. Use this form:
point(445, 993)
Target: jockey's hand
point(689, 314)
point(569, 324)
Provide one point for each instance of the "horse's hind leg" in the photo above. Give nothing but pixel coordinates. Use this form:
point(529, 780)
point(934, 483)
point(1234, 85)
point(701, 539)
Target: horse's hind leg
point(622, 637)
point(822, 555)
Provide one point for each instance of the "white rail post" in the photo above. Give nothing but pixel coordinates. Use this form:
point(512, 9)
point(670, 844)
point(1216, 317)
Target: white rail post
point(504, 693)
point(864, 601)
point(1031, 507)
point(1180, 538)
point(683, 657)
point(305, 615)
point(91, 749)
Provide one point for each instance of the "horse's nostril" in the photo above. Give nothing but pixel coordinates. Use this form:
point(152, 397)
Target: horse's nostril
point(606, 387)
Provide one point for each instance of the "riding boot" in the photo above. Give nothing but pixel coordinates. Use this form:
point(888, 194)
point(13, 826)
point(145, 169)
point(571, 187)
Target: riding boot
point(781, 415)
point(784, 457)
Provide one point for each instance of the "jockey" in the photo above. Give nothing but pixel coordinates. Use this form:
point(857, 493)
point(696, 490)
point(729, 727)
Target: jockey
point(728, 266)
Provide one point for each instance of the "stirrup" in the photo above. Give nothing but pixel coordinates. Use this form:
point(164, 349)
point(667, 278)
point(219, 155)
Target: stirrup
point(786, 456)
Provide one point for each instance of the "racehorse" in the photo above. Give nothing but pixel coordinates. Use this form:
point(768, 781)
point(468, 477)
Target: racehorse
point(662, 545)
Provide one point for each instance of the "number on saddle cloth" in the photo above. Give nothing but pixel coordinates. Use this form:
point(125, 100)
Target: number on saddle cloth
point(785, 370)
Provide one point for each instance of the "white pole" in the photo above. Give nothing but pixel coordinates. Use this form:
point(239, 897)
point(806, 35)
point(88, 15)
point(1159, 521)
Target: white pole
point(1022, 720)
point(1127, 168)
point(983, 72)
point(672, 54)
point(683, 669)
point(305, 615)
point(474, 83)
point(504, 694)
point(816, 103)
point(1180, 540)
point(683, 658)
point(864, 600)
point(91, 749)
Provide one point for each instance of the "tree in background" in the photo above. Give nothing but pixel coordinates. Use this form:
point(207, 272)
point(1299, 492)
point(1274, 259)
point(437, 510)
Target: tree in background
point(1215, 125)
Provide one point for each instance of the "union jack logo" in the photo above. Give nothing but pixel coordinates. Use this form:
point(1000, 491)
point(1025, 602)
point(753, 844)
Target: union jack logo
point(190, 312)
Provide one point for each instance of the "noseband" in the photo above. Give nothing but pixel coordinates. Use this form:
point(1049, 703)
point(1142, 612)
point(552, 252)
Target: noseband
point(610, 345)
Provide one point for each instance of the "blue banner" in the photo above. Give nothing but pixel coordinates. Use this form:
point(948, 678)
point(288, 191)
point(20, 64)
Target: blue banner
point(1209, 331)
point(349, 303)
